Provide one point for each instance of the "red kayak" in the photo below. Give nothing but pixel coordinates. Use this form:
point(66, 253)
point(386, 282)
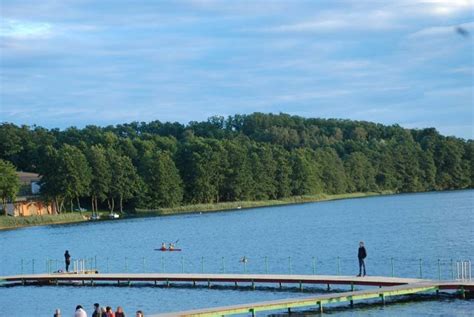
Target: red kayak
point(165, 249)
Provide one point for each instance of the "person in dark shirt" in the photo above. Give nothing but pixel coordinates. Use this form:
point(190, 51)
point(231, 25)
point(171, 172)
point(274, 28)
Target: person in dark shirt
point(97, 312)
point(67, 259)
point(362, 254)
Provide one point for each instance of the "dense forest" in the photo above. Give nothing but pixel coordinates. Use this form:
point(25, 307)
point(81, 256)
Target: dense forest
point(242, 157)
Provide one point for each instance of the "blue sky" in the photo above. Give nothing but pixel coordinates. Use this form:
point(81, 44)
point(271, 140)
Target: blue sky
point(78, 62)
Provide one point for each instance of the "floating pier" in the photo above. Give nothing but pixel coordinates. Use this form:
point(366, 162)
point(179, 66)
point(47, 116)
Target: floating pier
point(382, 287)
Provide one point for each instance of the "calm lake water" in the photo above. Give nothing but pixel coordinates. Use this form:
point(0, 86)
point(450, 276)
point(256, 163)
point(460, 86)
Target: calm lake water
point(321, 237)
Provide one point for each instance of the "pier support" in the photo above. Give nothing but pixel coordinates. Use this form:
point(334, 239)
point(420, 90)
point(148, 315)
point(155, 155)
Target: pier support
point(352, 289)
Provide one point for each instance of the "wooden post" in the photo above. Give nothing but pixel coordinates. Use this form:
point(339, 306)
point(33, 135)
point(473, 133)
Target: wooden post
point(352, 289)
point(253, 285)
point(301, 286)
point(329, 287)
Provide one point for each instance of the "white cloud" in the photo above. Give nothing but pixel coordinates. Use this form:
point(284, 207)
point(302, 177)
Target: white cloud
point(448, 7)
point(24, 29)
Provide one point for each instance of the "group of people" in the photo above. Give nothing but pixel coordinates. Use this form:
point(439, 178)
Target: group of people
point(100, 312)
point(170, 247)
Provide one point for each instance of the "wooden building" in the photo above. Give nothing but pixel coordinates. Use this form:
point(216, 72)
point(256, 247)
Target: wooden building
point(28, 202)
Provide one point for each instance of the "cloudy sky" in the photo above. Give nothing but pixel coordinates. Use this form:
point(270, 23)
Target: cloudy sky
point(79, 62)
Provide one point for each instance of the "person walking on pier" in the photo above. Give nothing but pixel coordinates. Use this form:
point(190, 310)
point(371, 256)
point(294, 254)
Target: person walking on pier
point(362, 254)
point(67, 259)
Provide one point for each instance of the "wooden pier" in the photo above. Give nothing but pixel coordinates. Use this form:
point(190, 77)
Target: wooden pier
point(209, 279)
point(383, 287)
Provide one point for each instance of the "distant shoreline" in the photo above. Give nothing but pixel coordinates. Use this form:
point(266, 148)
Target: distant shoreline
point(9, 223)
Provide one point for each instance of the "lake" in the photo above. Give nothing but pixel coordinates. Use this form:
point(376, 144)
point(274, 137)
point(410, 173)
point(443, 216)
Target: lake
point(415, 232)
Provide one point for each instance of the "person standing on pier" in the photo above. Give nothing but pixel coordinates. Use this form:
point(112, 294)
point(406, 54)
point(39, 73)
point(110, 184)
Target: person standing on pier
point(362, 254)
point(67, 259)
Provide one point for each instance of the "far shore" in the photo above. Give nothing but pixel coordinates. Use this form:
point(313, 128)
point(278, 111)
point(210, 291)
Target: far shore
point(7, 223)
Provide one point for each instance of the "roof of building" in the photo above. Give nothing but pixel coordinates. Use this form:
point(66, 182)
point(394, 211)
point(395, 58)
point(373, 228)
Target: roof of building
point(27, 178)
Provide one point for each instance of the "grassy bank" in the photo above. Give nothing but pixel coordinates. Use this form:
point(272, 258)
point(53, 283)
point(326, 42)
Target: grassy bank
point(18, 222)
point(252, 204)
point(7, 222)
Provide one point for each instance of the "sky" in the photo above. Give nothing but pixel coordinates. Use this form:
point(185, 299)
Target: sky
point(79, 62)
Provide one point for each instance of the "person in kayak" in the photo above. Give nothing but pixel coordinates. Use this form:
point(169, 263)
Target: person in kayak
point(163, 246)
point(171, 247)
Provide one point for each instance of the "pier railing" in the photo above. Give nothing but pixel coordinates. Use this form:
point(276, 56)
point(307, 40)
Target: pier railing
point(439, 269)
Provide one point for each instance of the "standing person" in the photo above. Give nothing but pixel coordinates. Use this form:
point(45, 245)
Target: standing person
point(109, 312)
point(362, 254)
point(67, 259)
point(119, 312)
point(80, 312)
point(57, 313)
point(139, 314)
point(97, 312)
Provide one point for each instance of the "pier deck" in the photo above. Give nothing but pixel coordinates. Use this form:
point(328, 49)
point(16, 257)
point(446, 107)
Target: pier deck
point(383, 287)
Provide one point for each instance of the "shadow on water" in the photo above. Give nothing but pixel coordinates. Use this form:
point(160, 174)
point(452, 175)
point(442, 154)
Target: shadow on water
point(371, 305)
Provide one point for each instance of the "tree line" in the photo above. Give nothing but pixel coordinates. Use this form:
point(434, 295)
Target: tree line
point(242, 157)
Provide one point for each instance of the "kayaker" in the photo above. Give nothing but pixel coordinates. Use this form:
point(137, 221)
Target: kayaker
point(171, 246)
point(163, 246)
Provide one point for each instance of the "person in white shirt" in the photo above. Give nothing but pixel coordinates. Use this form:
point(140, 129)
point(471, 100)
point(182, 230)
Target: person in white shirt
point(80, 312)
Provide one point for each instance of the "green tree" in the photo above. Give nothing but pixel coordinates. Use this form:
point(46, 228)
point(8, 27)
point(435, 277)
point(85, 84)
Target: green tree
point(238, 183)
point(305, 179)
point(101, 175)
point(283, 172)
point(164, 185)
point(9, 183)
point(333, 175)
point(360, 173)
point(125, 181)
point(66, 175)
